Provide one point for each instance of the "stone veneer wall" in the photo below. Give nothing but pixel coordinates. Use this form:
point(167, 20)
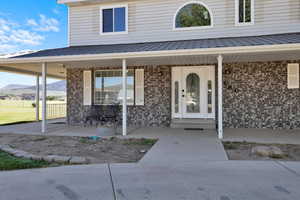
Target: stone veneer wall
point(256, 96)
point(156, 111)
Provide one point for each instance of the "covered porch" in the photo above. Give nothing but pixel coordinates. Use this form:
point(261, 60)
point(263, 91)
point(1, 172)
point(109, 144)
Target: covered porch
point(216, 53)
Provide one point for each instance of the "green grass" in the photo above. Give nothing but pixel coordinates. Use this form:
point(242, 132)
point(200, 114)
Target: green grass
point(9, 162)
point(13, 115)
point(231, 145)
point(17, 111)
point(142, 141)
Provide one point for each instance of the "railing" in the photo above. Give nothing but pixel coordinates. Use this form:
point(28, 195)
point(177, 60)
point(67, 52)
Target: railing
point(56, 110)
point(12, 111)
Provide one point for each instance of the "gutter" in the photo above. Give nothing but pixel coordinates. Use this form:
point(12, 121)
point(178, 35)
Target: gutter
point(152, 54)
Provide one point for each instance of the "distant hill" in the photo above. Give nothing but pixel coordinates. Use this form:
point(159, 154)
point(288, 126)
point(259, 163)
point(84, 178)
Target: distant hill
point(14, 86)
point(56, 86)
point(54, 89)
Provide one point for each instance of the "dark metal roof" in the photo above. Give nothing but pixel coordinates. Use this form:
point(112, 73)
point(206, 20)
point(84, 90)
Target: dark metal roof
point(290, 38)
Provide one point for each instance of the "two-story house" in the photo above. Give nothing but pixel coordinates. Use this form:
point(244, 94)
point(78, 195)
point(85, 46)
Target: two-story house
point(180, 63)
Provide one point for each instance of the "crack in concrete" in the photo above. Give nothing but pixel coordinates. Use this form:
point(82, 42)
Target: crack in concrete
point(282, 189)
point(112, 182)
point(67, 192)
point(287, 168)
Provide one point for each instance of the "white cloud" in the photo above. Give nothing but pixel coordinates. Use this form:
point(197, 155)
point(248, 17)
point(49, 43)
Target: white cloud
point(44, 24)
point(26, 37)
point(12, 36)
point(31, 22)
point(4, 48)
point(56, 11)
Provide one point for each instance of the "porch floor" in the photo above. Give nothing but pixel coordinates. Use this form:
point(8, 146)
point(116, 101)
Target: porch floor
point(58, 127)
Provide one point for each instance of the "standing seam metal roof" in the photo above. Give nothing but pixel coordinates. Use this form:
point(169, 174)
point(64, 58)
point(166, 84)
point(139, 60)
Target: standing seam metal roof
point(290, 38)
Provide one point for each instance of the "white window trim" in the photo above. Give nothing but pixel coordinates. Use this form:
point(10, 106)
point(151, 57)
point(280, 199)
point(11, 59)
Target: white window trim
point(113, 7)
point(94, 91)
point(194, 27)
point(237, 12)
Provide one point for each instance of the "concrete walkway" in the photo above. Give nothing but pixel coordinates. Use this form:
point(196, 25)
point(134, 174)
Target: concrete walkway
point(211, 180)
point(180, 146)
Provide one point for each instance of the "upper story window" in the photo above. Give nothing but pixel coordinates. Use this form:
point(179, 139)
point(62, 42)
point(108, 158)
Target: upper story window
point(113, 19)
point(193, 15)
point(244, 12)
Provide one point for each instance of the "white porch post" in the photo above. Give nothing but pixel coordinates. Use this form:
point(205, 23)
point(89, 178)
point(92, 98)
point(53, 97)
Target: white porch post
point(220, 96)
point(44, 96)
point(37, 98)
point(124, 72)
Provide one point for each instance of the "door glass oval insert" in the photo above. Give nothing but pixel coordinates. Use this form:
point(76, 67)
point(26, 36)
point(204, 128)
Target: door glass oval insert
point(193, 93)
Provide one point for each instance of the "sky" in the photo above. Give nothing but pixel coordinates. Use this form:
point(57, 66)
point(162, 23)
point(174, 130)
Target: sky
point(30, 25)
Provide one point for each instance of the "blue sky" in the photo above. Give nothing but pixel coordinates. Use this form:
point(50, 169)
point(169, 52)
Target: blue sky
point(30, 25)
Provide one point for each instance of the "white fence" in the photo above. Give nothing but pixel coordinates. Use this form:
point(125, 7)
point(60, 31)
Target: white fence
point(56, 110)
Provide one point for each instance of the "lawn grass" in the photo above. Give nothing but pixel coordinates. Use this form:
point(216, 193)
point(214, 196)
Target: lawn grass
point(9, 162)
point(142, 141)
point(14, 114)
point(18, 111)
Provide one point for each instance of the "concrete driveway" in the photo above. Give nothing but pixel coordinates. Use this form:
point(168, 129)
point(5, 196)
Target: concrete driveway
point(215, 180)
point(182, 165)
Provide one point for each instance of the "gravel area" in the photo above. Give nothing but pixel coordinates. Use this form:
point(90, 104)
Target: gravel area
point(97, 150)
point(244, 151)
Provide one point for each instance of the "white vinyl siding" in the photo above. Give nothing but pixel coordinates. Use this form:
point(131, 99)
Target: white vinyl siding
point(293, 76)
point(153, 20)
point(139, 87)
point(87, 88)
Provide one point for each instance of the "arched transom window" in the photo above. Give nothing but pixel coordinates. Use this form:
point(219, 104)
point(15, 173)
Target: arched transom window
point(193, 15)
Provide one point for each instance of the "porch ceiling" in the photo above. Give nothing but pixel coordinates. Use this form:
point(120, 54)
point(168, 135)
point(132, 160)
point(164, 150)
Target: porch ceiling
point(55, 70)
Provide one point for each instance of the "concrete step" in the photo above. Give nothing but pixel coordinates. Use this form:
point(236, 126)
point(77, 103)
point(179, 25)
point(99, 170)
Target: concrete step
point(207, 124)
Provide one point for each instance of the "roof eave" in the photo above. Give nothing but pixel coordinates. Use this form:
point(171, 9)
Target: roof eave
point(164, 53)
point(69, 1)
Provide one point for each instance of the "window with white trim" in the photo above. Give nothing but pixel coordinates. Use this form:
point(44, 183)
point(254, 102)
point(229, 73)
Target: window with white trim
point(113, 19)
point(108, 88)
point(244, 12)
point(193, 15)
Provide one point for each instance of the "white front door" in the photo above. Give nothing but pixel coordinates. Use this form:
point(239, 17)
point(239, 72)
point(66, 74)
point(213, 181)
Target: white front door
point(193, 93)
